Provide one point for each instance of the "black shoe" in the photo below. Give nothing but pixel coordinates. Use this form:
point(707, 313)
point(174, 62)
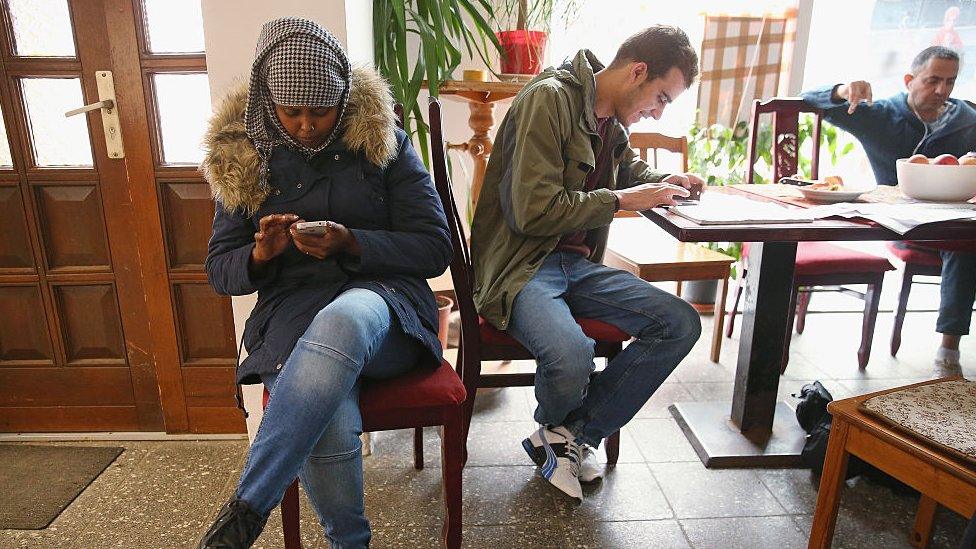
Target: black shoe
point(236, 527)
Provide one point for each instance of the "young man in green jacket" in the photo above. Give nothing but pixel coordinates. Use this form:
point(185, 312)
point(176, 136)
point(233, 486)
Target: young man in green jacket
point(560, 168)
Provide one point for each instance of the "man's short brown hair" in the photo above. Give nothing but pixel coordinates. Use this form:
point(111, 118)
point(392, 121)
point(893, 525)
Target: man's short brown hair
point(660, 47)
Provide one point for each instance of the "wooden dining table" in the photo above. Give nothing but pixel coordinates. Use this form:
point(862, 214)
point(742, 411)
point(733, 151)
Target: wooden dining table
point(755, 429)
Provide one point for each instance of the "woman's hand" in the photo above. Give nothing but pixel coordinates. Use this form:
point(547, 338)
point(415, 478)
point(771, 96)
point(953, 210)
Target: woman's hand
point(272, 238)
point(336, 239)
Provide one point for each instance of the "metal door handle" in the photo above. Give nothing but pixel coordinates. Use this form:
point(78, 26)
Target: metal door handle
point(107, 104)
point(110, 113)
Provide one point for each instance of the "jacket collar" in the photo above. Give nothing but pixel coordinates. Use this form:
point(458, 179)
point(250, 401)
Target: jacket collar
point(580, 73)
point(231, 164)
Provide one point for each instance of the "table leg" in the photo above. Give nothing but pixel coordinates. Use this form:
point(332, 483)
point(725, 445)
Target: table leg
point(831, 482)
point(481, 119)
point(761, 431)
point(924, 517)
point(723, 290)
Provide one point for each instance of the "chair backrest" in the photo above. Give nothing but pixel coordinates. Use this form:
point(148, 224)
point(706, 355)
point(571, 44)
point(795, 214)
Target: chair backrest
point(650, 142)
point(398, 109)
point(786, 128)
point(462, 273)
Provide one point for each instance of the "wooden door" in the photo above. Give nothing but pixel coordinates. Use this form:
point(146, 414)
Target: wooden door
point(106, 319)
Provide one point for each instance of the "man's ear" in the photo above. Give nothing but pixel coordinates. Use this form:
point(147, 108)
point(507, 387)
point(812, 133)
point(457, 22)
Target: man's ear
point(908, 78)
point(638, 72)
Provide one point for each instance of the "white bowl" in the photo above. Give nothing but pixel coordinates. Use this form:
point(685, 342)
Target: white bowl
point(936, 182)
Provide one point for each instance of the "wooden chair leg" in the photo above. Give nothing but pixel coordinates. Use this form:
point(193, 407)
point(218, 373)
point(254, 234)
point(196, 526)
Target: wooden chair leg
point(789, 328)
point(613, 448)
point(452, 457)
point(740, 285)
point(723, 290)
point(418, 448)
point(677, 288)
point(802, 304)
point(871, 300)
point(831, 481)
point(906, 289)
point(290, 521)
point(924, 518)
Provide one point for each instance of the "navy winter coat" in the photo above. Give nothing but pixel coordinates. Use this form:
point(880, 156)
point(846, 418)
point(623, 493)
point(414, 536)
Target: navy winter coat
point(371, 181)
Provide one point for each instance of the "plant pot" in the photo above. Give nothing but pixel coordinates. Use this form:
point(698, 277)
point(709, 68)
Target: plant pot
point(444, 305)
point(522, 51)
point(699, 292)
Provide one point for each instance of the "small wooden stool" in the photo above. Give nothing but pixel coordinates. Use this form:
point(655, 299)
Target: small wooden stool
point(640, 247)
point(942, 477)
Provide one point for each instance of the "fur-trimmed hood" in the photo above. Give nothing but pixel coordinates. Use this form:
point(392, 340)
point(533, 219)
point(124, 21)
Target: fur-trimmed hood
point(231, 164)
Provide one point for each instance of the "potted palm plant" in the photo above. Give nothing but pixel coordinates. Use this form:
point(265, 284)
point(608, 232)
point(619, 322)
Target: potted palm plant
point(445, 31)
point(527, 24)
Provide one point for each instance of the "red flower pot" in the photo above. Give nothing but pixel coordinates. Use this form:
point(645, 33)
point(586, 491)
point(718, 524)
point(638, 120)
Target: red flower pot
point(523, 51)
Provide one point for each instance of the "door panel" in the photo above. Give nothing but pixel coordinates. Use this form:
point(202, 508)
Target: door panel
point(98, 246)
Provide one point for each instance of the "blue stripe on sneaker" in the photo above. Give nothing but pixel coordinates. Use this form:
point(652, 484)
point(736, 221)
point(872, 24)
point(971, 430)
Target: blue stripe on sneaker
point(550, 465)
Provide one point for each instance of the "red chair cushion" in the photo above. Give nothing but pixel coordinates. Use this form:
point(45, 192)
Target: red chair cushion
point(947, 245)
point(595, 329)
point(420, 388)
point(817, 258)
point(909, 253)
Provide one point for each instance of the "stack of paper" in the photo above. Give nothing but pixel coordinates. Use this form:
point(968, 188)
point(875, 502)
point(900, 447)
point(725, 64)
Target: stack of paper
point(727, 209)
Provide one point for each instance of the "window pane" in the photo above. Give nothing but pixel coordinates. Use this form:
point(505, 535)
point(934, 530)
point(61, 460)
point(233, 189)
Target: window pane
point(42, 28)
point(174, 26)
point(183, 103)
point(58, 141)
point(5, 159)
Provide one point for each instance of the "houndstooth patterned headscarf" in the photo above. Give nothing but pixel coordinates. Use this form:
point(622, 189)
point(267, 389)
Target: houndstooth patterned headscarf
point(297, 63)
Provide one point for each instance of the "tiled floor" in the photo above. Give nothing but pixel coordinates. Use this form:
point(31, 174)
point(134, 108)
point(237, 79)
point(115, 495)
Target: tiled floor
point(163, 494)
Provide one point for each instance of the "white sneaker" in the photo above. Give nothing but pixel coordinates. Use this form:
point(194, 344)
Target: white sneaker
point(560, 457)
point(946, 363)
point(590, 470)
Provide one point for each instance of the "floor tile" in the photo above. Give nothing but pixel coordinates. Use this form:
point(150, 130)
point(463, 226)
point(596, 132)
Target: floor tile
point(627, 492)
point(659, 534)
point(661, 440)
point(745, 532)
point(696, 492)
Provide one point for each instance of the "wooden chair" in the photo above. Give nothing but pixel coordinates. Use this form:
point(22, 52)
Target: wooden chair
point(480, 341)
point(648, 144)
point(640, 248)
point(940, 477)
point(819, 266)
point(421, 398)
point(918, 262)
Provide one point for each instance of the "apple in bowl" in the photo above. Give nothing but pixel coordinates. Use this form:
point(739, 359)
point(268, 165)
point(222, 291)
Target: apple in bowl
point(945, 160)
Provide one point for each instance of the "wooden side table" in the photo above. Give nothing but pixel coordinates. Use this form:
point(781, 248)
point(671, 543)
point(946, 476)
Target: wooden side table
point(481, 98)
point(651, 254)
point(941, 478)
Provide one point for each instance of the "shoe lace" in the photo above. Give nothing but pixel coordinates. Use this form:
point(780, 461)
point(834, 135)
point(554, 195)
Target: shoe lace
point(574, 452)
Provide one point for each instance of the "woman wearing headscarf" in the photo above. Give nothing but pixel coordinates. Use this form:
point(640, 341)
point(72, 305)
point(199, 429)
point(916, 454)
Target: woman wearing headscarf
point(312, 138)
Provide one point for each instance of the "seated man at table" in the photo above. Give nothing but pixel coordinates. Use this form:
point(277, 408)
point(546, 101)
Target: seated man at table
point(923, 120)
point(560, 169)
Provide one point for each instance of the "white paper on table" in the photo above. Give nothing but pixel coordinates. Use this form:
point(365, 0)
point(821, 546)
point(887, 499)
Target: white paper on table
point(900, 217)
point(725, 209)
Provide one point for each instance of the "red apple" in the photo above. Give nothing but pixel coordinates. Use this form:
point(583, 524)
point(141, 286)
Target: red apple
point(945, 160)
point(918, 159)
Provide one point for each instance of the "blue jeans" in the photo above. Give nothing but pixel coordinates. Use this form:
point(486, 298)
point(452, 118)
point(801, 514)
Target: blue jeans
point(958, 293)
point(312, 424)
point(568, 285)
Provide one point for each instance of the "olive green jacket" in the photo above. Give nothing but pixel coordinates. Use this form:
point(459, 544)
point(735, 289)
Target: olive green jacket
point(533, 188)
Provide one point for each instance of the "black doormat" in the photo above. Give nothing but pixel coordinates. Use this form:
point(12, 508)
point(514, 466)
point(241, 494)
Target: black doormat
point(38, 482)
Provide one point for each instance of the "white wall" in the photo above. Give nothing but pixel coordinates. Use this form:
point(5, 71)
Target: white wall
point(231, 29)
